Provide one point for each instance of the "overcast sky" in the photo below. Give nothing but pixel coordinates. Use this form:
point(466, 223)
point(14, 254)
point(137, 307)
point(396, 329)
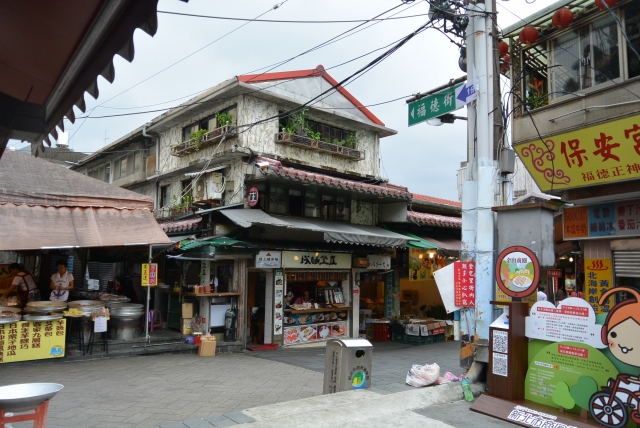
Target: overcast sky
point(424, 158)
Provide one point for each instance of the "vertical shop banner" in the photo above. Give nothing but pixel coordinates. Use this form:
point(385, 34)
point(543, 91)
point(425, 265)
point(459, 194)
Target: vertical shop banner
point(464, 283)
point(278, 312)
point(419, 266)
point(149, 274)
point(396, 293)
point(598, 280)
point(388, 294)
point(32, 340)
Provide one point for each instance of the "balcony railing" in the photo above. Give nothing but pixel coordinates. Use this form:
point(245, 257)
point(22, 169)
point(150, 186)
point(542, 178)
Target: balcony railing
point(207, 140)
point(323, 146)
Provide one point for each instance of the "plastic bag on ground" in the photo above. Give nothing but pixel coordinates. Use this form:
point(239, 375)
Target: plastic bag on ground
point(420, 376)
point(448, 377)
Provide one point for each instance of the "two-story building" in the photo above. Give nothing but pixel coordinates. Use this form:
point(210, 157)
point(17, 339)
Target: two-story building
point(300, 187)
point(575, 81)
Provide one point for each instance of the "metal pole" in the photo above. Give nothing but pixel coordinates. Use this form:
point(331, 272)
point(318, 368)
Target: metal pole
point(146, 321)
point(451, 83)
point(487, 177)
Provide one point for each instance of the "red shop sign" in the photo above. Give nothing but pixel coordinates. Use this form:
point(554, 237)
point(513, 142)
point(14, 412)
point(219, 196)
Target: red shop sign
point(253, 197)
point(464, 283)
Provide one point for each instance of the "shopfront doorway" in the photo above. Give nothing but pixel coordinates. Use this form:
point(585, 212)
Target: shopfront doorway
point(256, 285)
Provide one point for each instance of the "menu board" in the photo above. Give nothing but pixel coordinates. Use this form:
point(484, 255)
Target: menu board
point(314, 332)
point(32, 340)
point(602, 220)
point(278, 313)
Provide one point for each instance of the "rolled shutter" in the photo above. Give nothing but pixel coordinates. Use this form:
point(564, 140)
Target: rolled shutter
point(627, 263)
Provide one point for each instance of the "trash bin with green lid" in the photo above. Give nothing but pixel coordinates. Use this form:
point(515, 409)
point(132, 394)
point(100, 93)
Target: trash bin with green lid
point(347, 365)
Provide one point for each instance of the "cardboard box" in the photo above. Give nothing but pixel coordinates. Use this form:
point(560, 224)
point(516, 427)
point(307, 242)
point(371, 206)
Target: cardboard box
point(185, 325)
point(424, 330)
point(187, 310)
point(207, 349)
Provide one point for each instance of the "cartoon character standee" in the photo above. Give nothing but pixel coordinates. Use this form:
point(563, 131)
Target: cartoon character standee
point(621, 332)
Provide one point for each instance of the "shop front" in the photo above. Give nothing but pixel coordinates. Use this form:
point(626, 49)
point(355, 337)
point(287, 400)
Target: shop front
point(311, 298)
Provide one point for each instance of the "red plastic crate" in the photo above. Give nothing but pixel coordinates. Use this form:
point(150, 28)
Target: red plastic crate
point(381, 332)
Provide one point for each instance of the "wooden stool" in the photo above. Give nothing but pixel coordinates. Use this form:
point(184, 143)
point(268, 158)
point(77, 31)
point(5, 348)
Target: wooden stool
point(39, 417)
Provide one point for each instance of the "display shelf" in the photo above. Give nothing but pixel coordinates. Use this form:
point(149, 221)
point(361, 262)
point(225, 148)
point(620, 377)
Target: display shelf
point(314, 310)
point(225, 294)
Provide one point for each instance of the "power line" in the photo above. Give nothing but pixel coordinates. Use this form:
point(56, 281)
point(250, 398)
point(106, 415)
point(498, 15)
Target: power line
point(177, 62)
point(289, 21)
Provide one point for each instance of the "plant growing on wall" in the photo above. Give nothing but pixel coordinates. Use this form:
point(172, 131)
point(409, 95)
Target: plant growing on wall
point(197, 137)
point(223, 118)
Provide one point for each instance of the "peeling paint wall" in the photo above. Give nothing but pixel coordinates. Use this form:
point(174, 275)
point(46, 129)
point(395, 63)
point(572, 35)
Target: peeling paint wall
point(363, 212)
point(261, 138)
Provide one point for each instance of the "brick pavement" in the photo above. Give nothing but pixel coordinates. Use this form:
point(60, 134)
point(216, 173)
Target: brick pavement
point(184, 390)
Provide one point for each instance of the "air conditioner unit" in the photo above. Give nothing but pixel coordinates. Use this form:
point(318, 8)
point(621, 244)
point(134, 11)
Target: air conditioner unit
point(208, 187)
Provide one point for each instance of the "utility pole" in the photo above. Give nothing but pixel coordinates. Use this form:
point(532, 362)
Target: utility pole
point(479, 191)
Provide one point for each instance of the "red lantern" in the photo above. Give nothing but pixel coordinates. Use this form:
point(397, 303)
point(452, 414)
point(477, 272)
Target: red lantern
point(562, 18)
point(528, 35)
point(610, 3)
point(503, 48)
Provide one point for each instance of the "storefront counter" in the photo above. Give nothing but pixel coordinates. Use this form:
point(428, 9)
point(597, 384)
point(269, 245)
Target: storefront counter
point(32, 340)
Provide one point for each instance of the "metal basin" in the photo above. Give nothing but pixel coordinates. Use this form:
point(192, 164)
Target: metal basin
point(44, 306)
point(9, 318)
point(26, 396)
point(10, 309)
point(85, 303)
point(34, 317)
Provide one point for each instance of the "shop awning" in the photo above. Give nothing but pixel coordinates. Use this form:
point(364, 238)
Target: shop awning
point(214, 242)
point(333, 231)
point(246, 218)
point(347, 233)
point(27, 227)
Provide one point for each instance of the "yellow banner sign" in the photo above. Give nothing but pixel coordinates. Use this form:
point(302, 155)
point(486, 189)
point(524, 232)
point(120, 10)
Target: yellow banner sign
point(598, 154)
point(32, 340)
point(149, 274)
point(598, 280)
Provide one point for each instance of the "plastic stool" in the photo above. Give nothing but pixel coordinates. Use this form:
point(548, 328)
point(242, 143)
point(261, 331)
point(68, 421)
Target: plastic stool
point(154, 322)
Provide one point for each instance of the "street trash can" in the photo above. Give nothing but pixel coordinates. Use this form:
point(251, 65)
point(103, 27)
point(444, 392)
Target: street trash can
point(347, 365)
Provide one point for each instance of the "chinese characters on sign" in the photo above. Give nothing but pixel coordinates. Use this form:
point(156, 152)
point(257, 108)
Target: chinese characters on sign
point(598, 154)
point(464, 283)
point(572, 321)
point(517, 271)
point(269, 259)
point(602, 220)
point(32, 340)
point(253, 196)
point(598, 280)
point(149, 274)
point(299, 260)
point(437, 104)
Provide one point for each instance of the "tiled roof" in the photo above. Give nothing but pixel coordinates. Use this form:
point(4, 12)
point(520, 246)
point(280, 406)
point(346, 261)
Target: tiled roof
point(434, 219)
point(301, 74)
point(178, 226)
point(327, 180)
point(439, 201)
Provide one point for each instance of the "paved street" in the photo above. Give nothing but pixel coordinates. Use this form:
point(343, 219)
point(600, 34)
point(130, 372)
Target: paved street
point(169, 389)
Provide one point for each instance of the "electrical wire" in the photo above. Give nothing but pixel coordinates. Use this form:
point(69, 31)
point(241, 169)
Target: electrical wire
point(175, 63)
point(291, 22)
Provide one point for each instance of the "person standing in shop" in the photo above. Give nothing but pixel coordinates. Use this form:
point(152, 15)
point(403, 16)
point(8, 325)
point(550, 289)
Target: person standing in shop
point(304, 299)
point(287, 299)
point(25, 284)
point(542, 296)
point(61, 283)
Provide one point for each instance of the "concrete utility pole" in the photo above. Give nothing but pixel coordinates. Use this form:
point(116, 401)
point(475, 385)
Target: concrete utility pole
point(479, 191)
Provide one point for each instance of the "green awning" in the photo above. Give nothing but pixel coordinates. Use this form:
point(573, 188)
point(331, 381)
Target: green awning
point(189, 244)
point(417, 242)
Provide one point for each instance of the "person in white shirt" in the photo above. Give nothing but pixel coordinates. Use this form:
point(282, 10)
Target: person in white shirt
point(542, 296)
point(61, 282)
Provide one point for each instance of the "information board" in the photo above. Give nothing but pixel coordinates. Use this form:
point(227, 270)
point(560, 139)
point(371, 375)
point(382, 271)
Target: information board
point(32, 340)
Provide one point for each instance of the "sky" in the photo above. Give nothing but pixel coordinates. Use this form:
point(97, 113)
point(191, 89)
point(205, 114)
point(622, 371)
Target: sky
point(424, 158)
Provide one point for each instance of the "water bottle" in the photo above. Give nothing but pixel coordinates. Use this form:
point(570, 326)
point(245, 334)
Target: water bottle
point(466, 389)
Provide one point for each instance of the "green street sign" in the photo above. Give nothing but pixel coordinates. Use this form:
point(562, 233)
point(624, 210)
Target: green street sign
point(435, 105)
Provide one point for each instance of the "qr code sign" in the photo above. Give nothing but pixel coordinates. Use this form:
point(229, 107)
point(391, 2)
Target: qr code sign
point(500, 364)
point(500, 341)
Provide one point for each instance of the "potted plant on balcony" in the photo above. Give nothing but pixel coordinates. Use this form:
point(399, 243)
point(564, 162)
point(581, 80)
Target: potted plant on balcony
point(224, 119)
point(197, 138)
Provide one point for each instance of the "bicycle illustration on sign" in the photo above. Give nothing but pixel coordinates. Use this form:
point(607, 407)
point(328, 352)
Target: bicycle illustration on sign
point(620, 399)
